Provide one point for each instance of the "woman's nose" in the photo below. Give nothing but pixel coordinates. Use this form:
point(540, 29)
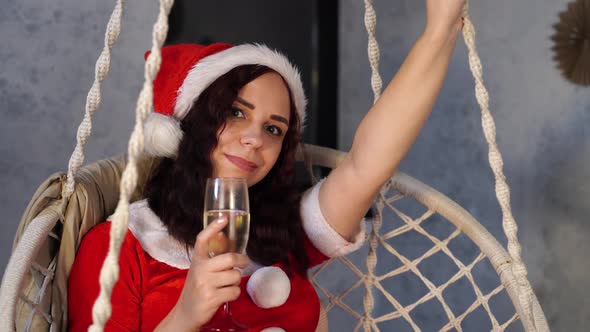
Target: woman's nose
point(252, 138)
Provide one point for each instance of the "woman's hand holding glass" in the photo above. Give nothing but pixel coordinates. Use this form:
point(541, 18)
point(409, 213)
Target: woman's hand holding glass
point(227, 198)
point(210, 282)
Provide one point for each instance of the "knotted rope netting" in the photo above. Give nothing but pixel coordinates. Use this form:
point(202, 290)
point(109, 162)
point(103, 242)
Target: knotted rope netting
point(372, 282)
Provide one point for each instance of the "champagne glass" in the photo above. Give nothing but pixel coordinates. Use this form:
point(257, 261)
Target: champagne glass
point(227, 198)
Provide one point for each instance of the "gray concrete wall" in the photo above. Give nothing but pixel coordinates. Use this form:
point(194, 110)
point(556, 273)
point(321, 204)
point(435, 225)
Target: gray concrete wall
point(46, 69)
point(542, 130)
point(47, 59)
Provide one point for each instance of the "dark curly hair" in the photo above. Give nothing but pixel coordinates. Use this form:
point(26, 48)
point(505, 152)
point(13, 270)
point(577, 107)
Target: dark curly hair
point(175, 192)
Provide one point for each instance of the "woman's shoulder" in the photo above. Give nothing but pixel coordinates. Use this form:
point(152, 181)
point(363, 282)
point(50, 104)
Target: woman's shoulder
point(83, 280)
point(101, 232)
point(97, 235)
point(96, 240)
point(98, 231)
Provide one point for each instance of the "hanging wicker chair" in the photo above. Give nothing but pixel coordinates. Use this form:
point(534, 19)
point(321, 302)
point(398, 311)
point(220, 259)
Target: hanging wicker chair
point(34, 287)
point(35, 283)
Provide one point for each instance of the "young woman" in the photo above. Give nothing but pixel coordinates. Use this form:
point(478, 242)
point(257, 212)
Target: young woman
point(223, 111)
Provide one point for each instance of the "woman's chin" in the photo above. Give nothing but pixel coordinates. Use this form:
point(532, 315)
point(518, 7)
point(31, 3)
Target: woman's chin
point(235, 175)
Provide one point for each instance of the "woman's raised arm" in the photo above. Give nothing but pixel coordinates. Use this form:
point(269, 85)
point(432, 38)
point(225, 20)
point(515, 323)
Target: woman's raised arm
point(393, 123)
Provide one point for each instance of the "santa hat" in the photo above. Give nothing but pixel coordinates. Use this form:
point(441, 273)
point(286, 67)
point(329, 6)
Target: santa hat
point(188, 69)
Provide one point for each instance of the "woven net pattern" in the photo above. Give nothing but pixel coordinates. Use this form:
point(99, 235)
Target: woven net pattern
point(407, 286)
point(44, 277)
point(37, 297)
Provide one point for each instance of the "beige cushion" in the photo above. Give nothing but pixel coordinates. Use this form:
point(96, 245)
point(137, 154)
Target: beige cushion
point(94, 199)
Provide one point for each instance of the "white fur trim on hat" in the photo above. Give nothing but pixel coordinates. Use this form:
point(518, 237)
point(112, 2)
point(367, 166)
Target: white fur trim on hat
point(162, 135)
point(208, 69)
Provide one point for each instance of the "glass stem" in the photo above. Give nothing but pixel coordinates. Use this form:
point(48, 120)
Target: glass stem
point(226, 309)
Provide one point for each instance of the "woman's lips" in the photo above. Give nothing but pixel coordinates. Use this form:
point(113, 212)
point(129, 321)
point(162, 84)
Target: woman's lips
point(241, 163)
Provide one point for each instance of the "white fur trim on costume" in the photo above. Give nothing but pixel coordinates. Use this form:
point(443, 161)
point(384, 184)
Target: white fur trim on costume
point(162, 135)
point(153, 236)
point(273, 329)
point(269, 287)
point(319, 231)
point(213, 66)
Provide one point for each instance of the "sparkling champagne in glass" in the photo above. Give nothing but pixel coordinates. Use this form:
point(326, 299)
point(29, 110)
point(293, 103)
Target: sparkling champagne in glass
point(234, 236)
point(227, 198)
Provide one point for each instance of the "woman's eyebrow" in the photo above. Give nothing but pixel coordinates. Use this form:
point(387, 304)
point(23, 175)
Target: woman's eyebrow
point(251, 106)
point(280, 119)
point(245, 103)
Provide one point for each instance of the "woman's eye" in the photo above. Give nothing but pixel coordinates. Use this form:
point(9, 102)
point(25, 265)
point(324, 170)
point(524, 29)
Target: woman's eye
point(236, 113)
point(274, 130)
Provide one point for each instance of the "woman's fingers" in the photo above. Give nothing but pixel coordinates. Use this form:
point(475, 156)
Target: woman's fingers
point(202, 242)
point(228, 294)
point(223, 261)
point(210, 281)
point(227, 261)
point(226, 278)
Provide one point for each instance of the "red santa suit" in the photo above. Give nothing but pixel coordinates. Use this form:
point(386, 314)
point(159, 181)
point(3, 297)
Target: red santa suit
point(153, 269)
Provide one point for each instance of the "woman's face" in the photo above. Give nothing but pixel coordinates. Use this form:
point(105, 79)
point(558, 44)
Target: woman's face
point(251, 140)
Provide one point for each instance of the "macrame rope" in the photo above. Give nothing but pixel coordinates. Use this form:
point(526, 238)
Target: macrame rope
point(376, 85)
point(101, 311)
point(496, 163)
point(93, 98)
point(373, 49)
point(495, 159)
